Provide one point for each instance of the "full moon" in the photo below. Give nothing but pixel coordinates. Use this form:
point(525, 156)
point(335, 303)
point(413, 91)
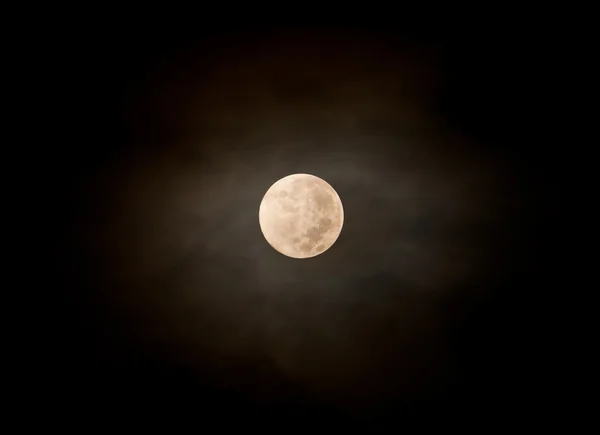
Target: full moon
point(301, 216)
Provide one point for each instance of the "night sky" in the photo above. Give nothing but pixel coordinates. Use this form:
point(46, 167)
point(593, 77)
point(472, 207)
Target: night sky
point(168, 303)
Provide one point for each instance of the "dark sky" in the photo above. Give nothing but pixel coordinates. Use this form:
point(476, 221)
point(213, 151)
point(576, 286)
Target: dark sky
point(169, 303)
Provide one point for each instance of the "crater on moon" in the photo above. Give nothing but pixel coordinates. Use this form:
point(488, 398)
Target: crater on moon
point(301, 216)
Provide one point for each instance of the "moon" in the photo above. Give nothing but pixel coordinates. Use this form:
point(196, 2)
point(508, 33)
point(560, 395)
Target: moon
point(301, 216)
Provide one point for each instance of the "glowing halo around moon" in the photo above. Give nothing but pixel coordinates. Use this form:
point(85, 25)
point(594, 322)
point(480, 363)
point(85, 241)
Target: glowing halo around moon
point(301, 216)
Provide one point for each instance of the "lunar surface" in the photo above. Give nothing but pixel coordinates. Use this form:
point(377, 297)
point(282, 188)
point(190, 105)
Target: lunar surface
point(301, 216)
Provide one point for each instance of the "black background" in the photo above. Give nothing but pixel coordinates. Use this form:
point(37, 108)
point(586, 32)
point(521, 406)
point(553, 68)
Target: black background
point(103, 359)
